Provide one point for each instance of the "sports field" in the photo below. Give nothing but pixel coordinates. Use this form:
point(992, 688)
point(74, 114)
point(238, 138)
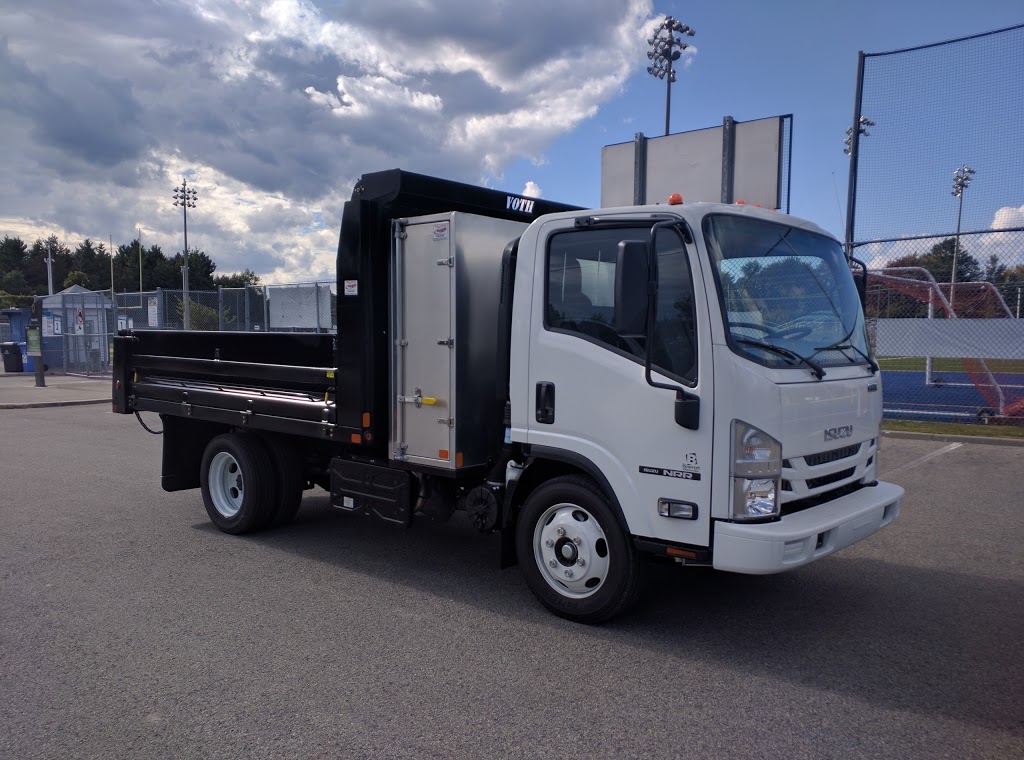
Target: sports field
point(951, 396)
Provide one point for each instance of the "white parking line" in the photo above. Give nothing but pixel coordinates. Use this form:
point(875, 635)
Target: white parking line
point(921, 460)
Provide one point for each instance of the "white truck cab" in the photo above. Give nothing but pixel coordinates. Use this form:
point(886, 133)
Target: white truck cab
point(737, 419)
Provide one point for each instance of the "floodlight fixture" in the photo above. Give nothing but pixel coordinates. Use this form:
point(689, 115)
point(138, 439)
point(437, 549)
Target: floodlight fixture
point(666, 48)
point(185, 197)
point(961, 181)
point(863, 124)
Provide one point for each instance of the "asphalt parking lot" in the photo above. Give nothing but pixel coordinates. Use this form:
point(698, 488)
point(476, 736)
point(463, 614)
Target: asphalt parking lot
point(129, 627)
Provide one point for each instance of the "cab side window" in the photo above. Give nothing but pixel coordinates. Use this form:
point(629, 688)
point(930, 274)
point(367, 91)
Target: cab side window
point(580, 296)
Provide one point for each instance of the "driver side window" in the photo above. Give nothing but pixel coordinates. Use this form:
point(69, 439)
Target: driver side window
point(580, 296)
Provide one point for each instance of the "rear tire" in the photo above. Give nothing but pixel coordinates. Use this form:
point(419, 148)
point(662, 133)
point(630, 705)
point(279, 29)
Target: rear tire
point(238, 483)
point(577, 559)
point(291, 482)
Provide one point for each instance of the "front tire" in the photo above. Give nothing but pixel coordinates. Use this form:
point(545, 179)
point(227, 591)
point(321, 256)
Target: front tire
point(577, 559)
point(238, 483)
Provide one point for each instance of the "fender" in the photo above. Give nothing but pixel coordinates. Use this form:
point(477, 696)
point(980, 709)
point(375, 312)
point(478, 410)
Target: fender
point(565, 462)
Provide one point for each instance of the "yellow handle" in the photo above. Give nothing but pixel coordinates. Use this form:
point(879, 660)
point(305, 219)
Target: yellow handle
point(428, 400)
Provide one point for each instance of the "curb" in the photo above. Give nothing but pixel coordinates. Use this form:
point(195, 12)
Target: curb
point(947, 438)
point(43, 404)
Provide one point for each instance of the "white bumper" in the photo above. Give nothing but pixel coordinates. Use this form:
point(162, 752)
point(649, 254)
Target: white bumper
point(803, 537)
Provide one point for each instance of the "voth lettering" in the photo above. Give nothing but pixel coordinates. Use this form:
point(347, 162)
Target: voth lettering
point(514, 202)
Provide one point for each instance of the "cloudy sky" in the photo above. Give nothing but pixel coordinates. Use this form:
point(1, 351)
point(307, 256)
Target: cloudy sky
point(272, 108)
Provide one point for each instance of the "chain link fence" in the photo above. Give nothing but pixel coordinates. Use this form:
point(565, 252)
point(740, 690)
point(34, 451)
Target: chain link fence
point(936, 212)
point(79, 325)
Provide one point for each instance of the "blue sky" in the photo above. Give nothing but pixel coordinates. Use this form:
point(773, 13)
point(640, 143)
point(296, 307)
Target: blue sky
point(273, 108)
point(759, 59)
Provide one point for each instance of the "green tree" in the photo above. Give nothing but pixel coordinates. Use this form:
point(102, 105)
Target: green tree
point(200, 316)
point(14, 283)
point(12, 254)
point(238, 280)
point(35, 264)
point(76, 277)
point(200, 269)
point(994, 270)
point(939, 261)
point(92, 259)
point(1012, 287)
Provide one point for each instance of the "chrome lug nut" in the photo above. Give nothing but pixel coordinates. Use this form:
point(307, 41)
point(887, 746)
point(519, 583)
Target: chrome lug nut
point(553, 563)
point(561, 531)
point(549, 543)
point(568, 573)
point(577, 540)
point(581, 562)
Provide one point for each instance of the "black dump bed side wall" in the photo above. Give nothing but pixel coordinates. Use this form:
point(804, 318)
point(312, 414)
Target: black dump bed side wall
point(291, 349)
point(364, 258)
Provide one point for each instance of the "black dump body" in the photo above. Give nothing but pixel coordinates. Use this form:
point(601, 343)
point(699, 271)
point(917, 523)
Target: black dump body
point(364, 258)
point(334, 388)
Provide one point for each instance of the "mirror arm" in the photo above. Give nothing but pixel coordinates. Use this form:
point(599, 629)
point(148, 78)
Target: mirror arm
point(862, 286)
point(687, 406)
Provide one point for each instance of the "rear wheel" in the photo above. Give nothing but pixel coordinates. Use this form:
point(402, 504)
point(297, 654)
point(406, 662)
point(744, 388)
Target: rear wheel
point(577, 559)
point(238, 483)
point(291, 482)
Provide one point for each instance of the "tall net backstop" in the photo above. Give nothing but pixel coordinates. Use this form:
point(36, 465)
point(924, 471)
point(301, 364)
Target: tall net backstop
point(936, 212)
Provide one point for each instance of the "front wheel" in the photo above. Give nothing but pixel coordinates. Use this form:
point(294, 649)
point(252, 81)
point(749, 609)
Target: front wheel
point(238, 483)
point(577, 559)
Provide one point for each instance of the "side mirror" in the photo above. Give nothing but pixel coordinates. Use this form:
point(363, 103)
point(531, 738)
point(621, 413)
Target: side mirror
point(687, 410)
point(631, 277)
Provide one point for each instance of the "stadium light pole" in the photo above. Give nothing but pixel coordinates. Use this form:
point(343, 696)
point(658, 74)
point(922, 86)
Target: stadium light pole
point(185, 197)
point(49, 266)
point(961, 181)
point(666, 48)
point(139, 238)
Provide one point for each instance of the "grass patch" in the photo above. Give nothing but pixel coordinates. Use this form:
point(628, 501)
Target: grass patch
point(939, 364)
point(953, 428)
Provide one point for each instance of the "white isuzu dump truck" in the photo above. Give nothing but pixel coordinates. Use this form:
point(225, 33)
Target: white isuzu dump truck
point(689, 381)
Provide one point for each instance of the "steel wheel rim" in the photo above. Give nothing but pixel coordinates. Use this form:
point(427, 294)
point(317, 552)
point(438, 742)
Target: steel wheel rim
point(571, 551)
point(227, 488)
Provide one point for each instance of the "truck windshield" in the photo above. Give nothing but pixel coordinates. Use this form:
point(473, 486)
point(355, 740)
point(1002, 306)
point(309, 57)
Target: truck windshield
point(787, 294)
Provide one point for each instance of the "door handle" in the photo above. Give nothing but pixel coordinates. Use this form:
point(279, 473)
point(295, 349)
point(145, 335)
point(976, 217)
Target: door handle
point(419, 399)
point(546, 403)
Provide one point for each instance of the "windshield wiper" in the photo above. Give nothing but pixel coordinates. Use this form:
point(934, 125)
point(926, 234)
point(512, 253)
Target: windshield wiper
point(815, 367)
point(841, 346)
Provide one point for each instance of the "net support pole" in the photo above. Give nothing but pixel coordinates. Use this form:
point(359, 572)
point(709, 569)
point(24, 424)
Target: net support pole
point(851, 195)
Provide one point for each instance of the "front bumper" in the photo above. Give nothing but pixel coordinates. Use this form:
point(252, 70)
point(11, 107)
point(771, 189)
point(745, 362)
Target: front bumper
point(801, 538)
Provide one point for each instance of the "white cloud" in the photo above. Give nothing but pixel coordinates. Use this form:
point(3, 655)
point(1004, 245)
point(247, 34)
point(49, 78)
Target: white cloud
point(279, 105)
point(532, 190)
point(1008, 217)
point(1008, 247)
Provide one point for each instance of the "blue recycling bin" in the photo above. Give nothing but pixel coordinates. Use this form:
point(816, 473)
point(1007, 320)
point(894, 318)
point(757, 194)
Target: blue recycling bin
point(28, 362)
point(19, 319)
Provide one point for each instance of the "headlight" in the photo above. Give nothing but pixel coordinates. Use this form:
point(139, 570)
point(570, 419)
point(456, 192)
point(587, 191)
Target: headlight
point(756, 470)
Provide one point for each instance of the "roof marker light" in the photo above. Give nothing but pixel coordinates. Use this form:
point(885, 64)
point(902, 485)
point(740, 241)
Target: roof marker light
point(675, 199)
point(741, 203)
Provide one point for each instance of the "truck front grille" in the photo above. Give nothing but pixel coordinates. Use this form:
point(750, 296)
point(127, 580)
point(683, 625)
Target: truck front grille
point(835, 455)
point(826, 480)
point(818, 474)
